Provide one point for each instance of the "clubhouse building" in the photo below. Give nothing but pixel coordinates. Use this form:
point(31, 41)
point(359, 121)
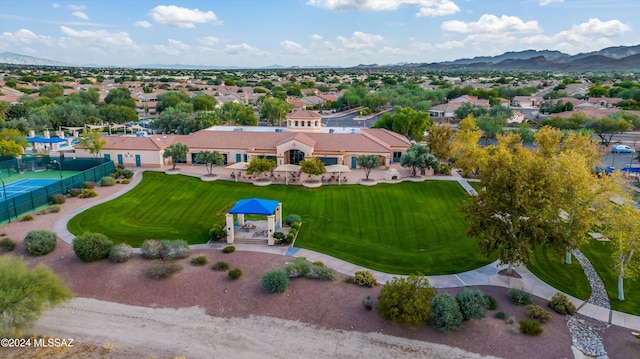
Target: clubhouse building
point(303, 137)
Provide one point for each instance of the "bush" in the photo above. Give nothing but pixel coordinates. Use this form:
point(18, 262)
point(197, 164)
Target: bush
point(164, 269)
point(289, 238)
point(127, 173)
point(279, 237)
point(125, 181)
point(472, 304)
point(228, 249)
point(151, 249)
point(561, 304)
point(519, 297)
point(445, 313)
point(54, 208)
point(293, 232)
point(220, 266)
point(120, 253)
point(530, 327)
point(443, 168)
point(367, 302)
point(217, 232)
point(501, 315)
point(90, 247)
point(58, 198)
point(365, 278)
point(492, 303)
point(75, 192)
point(322, 272)
point(292, 218)
point(235, 273)
point(7, 244)
point(298, 268)
point(295, 225)
point(199, 260)
point(275, 281)
point(406, 300)
point(88, 185)
point(107, 181)
point(40, 242)
point(513, 326)
point(536, 312)
point(88, 193)
point(26, 218)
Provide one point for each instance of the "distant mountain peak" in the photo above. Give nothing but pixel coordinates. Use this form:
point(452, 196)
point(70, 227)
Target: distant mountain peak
point(17, 59)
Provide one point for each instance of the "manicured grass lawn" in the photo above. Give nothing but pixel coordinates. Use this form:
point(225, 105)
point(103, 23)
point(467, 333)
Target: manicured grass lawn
point(568, 278)
point(399, 228)
point(599, 254)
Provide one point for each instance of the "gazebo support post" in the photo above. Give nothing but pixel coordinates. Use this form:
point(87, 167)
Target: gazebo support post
point(270, 228)
point(279, 216)
point(230, 230)
point(241, 219)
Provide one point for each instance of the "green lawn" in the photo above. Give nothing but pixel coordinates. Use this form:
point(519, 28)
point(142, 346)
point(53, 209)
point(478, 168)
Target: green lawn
point(400, 228)
point(549, 266)
point(599, 254)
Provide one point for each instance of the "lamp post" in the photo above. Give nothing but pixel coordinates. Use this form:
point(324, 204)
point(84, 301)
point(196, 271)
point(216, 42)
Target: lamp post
point(61, 180)
point(6, 201)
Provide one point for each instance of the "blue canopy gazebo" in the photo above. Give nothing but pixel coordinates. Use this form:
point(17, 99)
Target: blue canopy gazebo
point(256, 206)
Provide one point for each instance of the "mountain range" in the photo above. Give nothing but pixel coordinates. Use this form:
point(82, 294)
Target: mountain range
point(621, 58)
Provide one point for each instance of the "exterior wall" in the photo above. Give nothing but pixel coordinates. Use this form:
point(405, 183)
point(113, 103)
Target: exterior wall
point(148, 159)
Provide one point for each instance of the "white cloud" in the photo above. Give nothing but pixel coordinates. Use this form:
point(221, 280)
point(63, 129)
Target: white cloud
point(181, 17)
point(99, 37)
point(547, 2)
point(143, 23)
point(448, 45)
point(427, 7)
point(209, 40)
point(22, 36)
point(174, 47)
point(55, 5)
point(316, 37)
point(80, 14)
point(595, 27)
point(75, 7)
point(291, 46)
point(360, 40)
point(241, 49)
point(491, 24)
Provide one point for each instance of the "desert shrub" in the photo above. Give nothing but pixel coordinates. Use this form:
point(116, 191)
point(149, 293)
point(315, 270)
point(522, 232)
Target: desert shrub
point(536, 312)
point(519, 297)
point(443, 168)
point(512, 325)
point(530, 327)
point(88, 193)
point(295, 225)
point(501, 315)
point(175, 249)
point(26, 218)
point(120, 253)
point(151, 249)
point(58, 198)
point(7, 244)
point(164, 269)
point(289, 238)
point(561, 304)
point(125, 181)
point(235, 273)
point(322, 272)
point(90, 247)
point(406, 300)
point(275, 281)
point(367, 302)
point(445, 313)
point(298, 268)
point(88, 185)
point(127, 173)
point(54, 208)
point(365, 278)
point(75, 192)
point(107, 181)
point(293, 231)
point(217, 232)
point(292, 218)
point(228, 249)
point(279, 237)
point(120, 166)
point(220, 266)
point(472, 303)
point(199, 260)
point(40, 242)
point(492, 303)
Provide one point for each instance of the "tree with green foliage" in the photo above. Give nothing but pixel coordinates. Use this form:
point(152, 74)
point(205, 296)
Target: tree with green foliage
point(210, 159)
point(274, 110)
point(440, 141)
point(368, 162)
point(178, 153)
point(12, 142)
point(374, 101)
point(260, 166)
point(406, 121)
point(51, 91)
point(203, 102)
point(93, 142)
point(26, 294)
point(172, 120)
point(607, 127)
point(467, 152)
point(417, 158)
point(406, 300)
point(235, 113)
point(170, 99)
point(120, 96)
point(312, 166)
point(491, 126)
point(118, 114)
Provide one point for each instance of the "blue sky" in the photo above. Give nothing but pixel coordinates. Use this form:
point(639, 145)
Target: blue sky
point(256, 33)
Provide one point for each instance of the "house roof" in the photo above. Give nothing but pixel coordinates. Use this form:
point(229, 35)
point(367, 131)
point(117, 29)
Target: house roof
point(304, 114)
point(153, 143)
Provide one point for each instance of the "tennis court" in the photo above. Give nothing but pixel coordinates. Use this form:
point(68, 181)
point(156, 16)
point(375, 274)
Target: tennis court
point(25, 185)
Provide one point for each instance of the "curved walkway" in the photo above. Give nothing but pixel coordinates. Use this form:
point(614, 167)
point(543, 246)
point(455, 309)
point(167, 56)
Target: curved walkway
point(487, 275)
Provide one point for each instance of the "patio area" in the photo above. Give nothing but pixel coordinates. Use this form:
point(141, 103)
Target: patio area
point(254, 231)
